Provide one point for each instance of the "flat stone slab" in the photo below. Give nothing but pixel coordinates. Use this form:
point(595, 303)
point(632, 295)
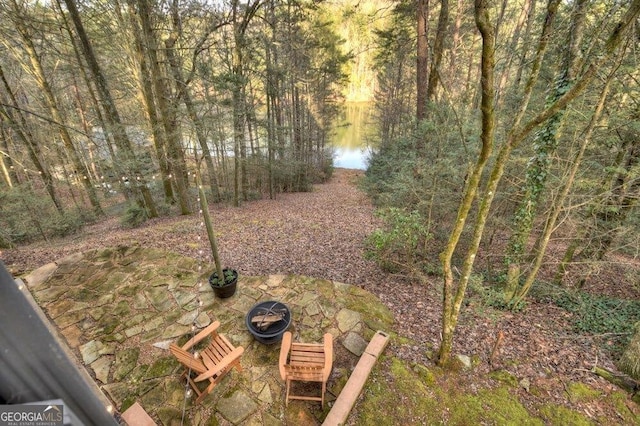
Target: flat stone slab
point(347, 319)
point(354, 343)
point(237, 407)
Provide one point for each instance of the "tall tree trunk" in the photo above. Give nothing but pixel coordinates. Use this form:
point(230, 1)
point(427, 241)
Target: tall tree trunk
point(453, 293)
point(422, 65)
point(438, 48)
point(56, 115)
point(513, 49)
point(20, 127)
point(185, 95)
point(111, 113)
point(148, 99)
point(238, 94)
point(166, 110)
point(545, 145)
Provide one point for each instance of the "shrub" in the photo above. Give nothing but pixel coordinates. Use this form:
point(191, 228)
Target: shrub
point(608, 319)
point(402, 241)
point(134, 216)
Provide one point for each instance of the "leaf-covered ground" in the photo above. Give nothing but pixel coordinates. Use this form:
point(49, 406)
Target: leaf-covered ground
point(321, 234)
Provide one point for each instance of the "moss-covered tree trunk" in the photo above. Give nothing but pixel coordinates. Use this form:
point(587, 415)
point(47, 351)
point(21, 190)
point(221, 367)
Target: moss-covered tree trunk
point(167, 110)
point(453, 292)
point(545, 144)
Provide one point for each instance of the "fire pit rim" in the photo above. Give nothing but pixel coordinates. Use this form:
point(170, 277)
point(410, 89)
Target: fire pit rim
point(268, 337)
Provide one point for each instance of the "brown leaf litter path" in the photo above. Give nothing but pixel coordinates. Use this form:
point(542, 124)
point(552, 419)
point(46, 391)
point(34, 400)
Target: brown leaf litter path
point(321, 234)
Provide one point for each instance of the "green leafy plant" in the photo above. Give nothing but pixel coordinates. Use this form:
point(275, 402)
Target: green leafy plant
point(608, 319)
point(400, 242)
point(228, 275)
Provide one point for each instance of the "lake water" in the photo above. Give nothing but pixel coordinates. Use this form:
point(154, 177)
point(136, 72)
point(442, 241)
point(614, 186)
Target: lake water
point(352, 135)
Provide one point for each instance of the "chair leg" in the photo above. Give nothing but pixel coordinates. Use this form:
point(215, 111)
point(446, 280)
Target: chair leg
point(286, 399)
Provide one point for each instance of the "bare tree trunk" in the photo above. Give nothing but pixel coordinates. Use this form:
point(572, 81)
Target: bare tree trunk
point(166, 111)
point(422, 66)
point(21, 130)
point(185, 95)
point(438, 47)
point(513, 49)
point(146, 89)
point(111, 113)
point(56, 115)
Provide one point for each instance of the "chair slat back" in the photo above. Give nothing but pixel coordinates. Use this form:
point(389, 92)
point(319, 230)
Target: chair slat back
point(304, 373)
point(187, 359)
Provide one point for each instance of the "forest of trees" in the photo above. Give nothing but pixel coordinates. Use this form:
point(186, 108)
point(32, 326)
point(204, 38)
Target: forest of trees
point(502, 127)
point(132, 96)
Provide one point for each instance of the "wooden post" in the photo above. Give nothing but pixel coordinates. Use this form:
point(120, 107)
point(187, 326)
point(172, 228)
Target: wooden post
point(347, 398)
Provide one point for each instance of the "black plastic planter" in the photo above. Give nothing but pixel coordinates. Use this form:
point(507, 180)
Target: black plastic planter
point(228, 289)
point(273, 332)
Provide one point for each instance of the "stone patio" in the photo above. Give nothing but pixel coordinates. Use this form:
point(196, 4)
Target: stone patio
point(119, 309)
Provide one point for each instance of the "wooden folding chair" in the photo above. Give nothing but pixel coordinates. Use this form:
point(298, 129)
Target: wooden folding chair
point(305, 362)
point(211, 363)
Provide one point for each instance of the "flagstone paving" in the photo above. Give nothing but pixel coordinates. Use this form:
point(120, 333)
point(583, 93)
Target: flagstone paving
point(118, 310)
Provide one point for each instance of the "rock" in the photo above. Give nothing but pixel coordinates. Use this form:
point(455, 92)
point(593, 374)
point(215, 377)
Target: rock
point(312, 309)
point(101, 368)
point(170, 416)
point(237, 407)
point(126, 360)
point(265, 395)
point(159, 297)
point(275, 280)
point(175, 330)
point(354, 343)
point(203, 320)
point(91, 351)
point(40, 275)
point(465, 360)
point(347, 319)
point(164, 344)
point(188, 318)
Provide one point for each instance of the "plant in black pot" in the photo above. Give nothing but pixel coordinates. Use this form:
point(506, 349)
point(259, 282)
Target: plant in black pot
point(223, 281)
point(225, 287)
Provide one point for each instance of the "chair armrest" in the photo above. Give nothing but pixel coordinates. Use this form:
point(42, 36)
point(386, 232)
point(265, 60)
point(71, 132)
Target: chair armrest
point(284, 353)
point(201, 335)
point(328, 355)
point(224, 363)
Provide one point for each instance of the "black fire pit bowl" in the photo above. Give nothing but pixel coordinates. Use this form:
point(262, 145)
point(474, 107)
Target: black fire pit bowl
point(273, 333)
